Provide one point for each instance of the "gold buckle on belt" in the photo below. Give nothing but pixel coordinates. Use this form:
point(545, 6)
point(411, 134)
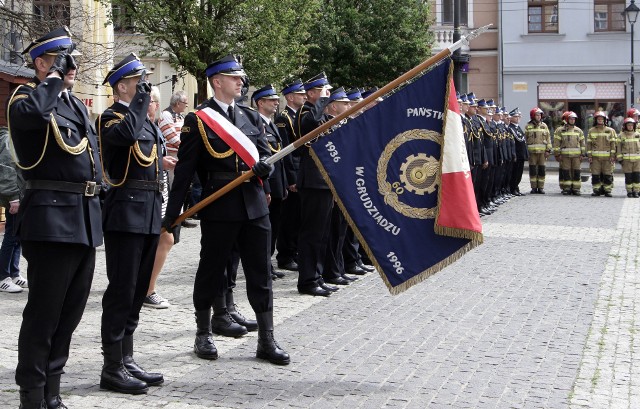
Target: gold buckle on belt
point(90, 189)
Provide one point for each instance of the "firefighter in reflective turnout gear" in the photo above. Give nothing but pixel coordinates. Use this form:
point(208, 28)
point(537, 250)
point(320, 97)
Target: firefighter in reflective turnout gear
point(569, 149)
point(628, 154)
point(539, 146)
point(601, 150)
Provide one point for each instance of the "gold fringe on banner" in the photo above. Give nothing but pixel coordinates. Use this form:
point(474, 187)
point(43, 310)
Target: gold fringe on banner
point(475, 237)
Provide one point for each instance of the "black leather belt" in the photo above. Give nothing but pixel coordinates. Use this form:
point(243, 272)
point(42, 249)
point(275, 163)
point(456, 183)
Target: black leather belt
point(225, 175)
point(87, 188)
point(154, 185)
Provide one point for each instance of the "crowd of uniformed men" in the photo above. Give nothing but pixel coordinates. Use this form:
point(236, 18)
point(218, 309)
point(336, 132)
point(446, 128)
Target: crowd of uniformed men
point(497, 148)
point(65, 157)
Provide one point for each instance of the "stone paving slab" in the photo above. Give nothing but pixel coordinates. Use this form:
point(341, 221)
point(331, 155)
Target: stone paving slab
point(516, 323)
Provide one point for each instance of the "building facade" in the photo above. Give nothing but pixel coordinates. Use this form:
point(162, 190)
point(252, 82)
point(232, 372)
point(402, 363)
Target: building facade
point(480, 73)
point(566, 56)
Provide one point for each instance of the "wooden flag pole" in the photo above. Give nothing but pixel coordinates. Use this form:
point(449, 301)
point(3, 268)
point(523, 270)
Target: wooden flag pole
point(335, 120)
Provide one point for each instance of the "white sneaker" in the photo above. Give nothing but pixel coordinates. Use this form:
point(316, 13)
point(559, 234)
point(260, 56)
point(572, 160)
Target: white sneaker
point(20, 281)
point(8, 286)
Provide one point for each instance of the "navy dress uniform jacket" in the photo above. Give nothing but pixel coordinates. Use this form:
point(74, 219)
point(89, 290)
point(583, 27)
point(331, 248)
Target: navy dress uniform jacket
point(309, 175)
point(278, 180)
point(247, 201)
point(285, 123)
point(126, 209)
point(49, 215)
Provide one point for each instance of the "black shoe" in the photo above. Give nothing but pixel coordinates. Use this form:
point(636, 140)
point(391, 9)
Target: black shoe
point(356, 269)
point(223, 324)
point(151, 379)
point(329, 287)
point(277, 274)
point(608, 194)
point(534, 191)
point(368, 269)
point(115, 377)
point(349, 278)
point(188, 224)
point(565, 192)
point(269, 349)
point(595, 193)
point(635, 194)
point(541, 191)
point(250, 325)
point(32, 399)
point(629, 194)
point(316, 291)
point(204, 347)
point(338, 281)
point(55, 403)
point(291, 266)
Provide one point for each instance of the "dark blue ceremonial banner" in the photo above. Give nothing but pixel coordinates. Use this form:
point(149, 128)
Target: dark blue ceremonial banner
point(384, 168)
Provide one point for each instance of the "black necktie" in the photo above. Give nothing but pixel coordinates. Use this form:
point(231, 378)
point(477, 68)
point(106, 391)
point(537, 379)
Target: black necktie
point(67, 100)
point(232, 116)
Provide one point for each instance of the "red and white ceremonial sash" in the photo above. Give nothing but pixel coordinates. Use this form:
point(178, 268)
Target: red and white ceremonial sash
point(231, 135)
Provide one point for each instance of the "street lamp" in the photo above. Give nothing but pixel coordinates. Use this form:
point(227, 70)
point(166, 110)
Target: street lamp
point(632, 16)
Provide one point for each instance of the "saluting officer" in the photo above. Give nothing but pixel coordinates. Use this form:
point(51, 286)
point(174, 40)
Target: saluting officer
point(220, 141)
point(287, 243)
point(131, 149)
point(59, 220)
point(315, 197)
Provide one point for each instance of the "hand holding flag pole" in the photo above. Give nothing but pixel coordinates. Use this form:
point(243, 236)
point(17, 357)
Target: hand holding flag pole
point(334, 121)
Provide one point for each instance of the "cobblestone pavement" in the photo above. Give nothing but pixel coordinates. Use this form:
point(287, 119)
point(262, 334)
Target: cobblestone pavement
point(542, 315)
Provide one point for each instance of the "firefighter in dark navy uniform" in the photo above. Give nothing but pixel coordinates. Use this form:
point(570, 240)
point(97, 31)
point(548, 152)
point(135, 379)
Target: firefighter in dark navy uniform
point(59, 220)
point(287, 243)
point(239, 217)
point(131, 150)
point(315, 197)
point(522, 153)
point(267, 100)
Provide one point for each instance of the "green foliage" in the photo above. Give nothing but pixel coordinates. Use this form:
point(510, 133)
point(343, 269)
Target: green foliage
point(370, 42)
point(270, 36)
point(357, 42)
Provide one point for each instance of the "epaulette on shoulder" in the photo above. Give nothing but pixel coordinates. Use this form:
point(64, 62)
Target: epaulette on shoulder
point(118, 119)
point(247, 107)
point(22, 91)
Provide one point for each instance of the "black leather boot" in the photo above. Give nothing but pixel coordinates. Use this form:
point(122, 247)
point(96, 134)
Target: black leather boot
point(32, 399)
point(250, 325)
point(222, 323)
point(204, 346)
point(151, 379)
point(115, 376)
point(52, 393)
point(268, 348)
